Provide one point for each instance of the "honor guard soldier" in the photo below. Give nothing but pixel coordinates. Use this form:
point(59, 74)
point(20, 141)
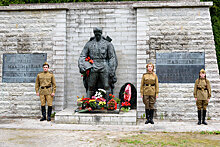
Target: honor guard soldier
point(149, 92)
point(45, 87)
point(202, 94)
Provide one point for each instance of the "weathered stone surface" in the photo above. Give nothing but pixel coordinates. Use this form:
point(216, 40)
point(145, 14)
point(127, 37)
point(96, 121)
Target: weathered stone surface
point(176, 30)
point(61, 30)
point(68, 116)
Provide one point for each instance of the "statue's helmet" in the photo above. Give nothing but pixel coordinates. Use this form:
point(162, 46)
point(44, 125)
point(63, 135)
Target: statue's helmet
point(97, 31)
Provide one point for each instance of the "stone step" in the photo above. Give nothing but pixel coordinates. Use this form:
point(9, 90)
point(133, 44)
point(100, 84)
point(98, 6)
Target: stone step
point(69, 116)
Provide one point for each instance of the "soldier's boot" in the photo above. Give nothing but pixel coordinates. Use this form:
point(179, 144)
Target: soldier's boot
point(203, 117)
point(151, 116)
point(43, 110)
point(49, 110)
point(199, 117)
point(147, 116)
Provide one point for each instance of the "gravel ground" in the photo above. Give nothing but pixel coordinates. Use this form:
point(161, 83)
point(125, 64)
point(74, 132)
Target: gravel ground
point(32, 132)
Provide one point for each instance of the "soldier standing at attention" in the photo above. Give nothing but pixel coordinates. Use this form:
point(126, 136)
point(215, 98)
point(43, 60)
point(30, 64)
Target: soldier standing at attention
point(149, 92)
point(202, 94)
point(45, 87)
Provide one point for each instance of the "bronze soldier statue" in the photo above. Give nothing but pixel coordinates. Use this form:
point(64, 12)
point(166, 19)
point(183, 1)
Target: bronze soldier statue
point(103, 66)
point(202, 94)
point(149, 92)
point(45, 87)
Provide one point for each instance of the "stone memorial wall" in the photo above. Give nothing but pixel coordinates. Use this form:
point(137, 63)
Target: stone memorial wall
point(140, 32)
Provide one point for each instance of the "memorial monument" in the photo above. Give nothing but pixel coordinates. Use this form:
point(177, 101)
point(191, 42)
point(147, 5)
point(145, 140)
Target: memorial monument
point(98, 63)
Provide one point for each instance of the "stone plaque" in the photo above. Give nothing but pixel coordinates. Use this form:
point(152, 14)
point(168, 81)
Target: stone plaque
point(179, 67)
point(22, 68)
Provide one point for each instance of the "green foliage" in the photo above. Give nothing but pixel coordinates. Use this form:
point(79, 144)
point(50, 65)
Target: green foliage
point(124, 109)
point(117, 100)
point(215, 16)
point(53, 115)
point(210, 132)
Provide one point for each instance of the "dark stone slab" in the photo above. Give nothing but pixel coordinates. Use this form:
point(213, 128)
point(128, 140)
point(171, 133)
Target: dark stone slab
point(179, 67)
point(22, 68)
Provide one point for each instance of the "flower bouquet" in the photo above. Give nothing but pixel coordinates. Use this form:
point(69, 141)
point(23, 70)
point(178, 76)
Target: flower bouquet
point(125, 106)
point(100, 93)
point(102, 105)
point(127, 97)
point(111, 96)
point(92, 104)
point(112, 105)
point(86, 73)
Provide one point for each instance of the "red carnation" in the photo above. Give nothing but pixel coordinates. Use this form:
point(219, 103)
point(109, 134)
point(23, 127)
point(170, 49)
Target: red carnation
point(91, 61)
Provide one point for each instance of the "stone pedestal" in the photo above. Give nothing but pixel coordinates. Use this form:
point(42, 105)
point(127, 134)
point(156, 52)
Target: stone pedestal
point(68, 116)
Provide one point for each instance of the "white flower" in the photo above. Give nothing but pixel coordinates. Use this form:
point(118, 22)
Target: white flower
point(102, 90)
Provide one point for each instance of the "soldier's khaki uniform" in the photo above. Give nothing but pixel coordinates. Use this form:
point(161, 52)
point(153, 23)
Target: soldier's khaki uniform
point(149, 89)
point(45, 85)
point(202, 91)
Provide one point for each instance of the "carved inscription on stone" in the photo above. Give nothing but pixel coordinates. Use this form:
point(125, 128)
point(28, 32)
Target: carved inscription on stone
point(179, 67)
point(22, 68)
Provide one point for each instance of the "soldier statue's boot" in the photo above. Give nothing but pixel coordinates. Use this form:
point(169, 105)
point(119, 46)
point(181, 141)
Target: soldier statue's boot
point(151, 116)
point(49, 110)
point(203, 117)
point(199, 117)
point(147, 116)
point(43, 110)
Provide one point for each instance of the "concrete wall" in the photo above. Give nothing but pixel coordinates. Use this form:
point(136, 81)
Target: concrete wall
point(176, 29)
point(31, 32)
point(138, 29)
point(119, 23)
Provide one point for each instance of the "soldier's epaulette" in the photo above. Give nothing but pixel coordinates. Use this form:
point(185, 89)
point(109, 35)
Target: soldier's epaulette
point(144, 73)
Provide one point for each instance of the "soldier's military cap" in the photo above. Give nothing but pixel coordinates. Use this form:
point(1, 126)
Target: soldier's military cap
point(202, 71)
point(45, 63)
point(97, 31)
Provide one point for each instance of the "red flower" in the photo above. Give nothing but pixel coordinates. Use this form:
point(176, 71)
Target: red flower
point(88, 57)
point(101, 99)
point(91, 61)
point(113, 96)
point(110, 94)
point(85, 99)
point(87, 73)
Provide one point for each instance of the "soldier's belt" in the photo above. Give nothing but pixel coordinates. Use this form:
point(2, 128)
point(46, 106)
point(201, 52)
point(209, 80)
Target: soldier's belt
point(43, 87)
point(149, 84)
point(202, 88)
